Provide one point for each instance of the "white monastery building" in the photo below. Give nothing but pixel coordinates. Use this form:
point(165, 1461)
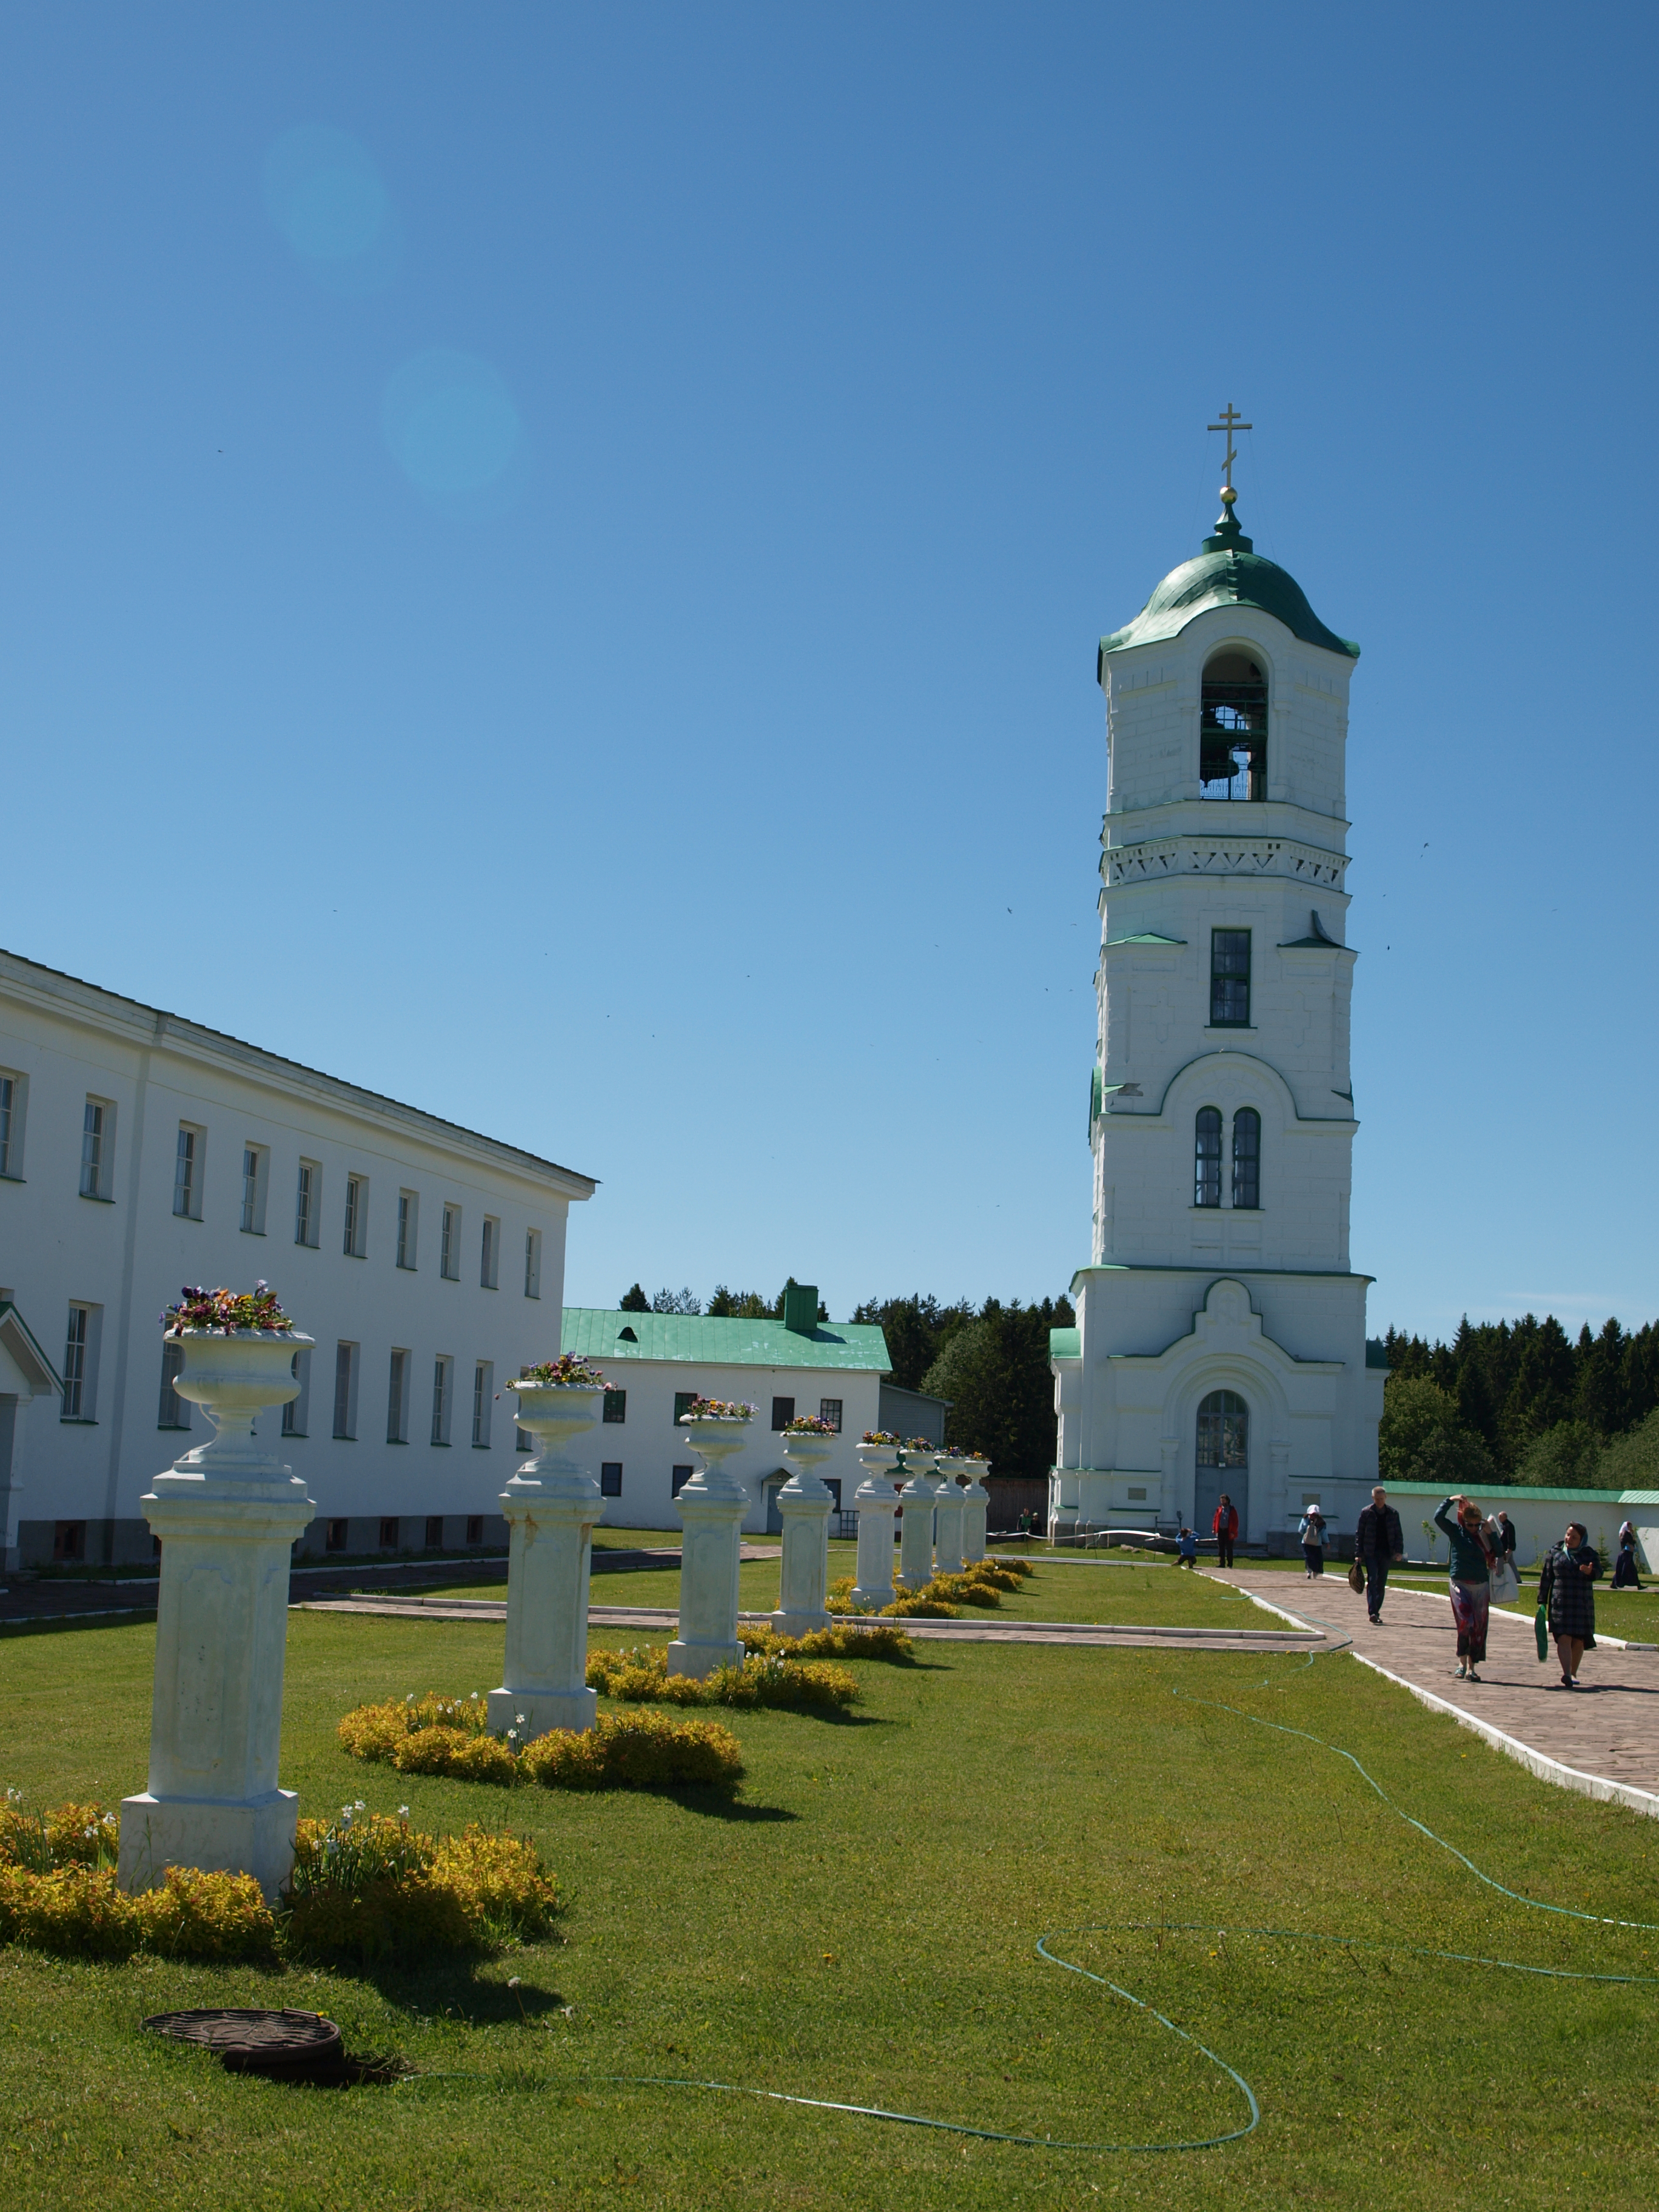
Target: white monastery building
point(139, 1152)
point(1220, 1340)
point(656, 1363)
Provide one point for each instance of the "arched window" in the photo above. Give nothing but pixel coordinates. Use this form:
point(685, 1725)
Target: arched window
point(1247, 1158)
point(1223, 1430)
point(1207, 1162)
point(1232, 740)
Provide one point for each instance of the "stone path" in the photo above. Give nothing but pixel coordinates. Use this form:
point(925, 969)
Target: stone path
point(661, 1619)
point(1607, 1733)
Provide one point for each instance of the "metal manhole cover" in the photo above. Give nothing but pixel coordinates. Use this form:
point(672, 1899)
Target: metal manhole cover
point(248, 2040)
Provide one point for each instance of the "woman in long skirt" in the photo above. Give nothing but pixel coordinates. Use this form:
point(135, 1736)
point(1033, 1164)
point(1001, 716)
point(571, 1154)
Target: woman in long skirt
point(1565, 1585)
point(1471, 1582)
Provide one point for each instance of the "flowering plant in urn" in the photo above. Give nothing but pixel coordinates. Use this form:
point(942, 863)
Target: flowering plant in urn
point(881, 1436)
point(720, 1409)
point(227, 1311)
point(569, 1372)
point(809, 1424)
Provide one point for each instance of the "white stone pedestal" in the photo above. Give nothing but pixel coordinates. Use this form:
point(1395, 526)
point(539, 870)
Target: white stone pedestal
point(712, 1508)
point(975, 1504)
point(805, 1502)
point(227, 1515)
point(949, 1513)
point(874, 1500)
point(552, 1507)
point(916, 1524)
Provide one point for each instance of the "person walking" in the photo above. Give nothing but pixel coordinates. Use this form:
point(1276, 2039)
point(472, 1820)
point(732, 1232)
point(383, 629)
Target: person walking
point(1625, 1576)
point(1379, 1542)
point(1506, 1536)
point(1226, 1529)
point(1313, 1538)
point(1565, 1587)
point(1471, 1582)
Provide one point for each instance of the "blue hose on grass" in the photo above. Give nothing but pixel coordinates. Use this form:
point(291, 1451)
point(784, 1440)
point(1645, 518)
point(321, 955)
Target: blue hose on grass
point(1276, 1934)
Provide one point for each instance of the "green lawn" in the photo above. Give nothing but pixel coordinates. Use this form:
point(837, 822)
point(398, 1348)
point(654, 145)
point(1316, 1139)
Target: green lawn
point(862, 1925)
point(1154, 1595)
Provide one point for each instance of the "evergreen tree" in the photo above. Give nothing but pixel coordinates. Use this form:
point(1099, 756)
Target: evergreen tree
point(1421, 1438)
point(636, 1301)
point(995, 1371)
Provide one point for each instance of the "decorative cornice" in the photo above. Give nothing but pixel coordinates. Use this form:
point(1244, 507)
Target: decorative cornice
point(1156, 859)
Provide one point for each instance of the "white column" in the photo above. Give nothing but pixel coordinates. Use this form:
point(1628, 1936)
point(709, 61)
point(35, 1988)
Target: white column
point(711, 1506)
point(874, 1500)
point(949, 1514)
point(975, 1504)
point(916, 1525)
point(804, 1501)
point(552, 1507)
point(227, 1515)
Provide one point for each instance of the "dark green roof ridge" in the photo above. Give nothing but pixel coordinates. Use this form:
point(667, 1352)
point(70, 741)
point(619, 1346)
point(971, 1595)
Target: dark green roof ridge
point(1228, 572)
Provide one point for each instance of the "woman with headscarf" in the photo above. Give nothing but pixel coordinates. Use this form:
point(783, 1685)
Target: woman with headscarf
point(1471, 1580)
point(1311, 1535)
point(1565, 1585)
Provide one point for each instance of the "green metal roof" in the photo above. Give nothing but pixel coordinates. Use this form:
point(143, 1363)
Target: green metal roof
point(1228, 572)
point(1494, 1494)
point(1065, 1344)
point(1143, 937)
point(610, 1336)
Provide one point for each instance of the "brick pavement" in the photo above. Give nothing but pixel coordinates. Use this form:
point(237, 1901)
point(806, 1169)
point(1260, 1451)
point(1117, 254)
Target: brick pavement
point(1609, 1730)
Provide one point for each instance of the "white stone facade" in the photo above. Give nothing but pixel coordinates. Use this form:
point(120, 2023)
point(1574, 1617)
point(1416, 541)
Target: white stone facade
point(229, 1210)
point(1184, 1299)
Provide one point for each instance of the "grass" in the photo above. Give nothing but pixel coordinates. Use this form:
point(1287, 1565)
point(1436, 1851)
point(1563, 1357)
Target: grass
point(1159, 1593)
point(862, 1925)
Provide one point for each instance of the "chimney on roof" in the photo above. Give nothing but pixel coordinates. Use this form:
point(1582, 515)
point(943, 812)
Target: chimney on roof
point(800, 1308)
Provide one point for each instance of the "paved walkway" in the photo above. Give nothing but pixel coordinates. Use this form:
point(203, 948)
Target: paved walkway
point(1606, 1732)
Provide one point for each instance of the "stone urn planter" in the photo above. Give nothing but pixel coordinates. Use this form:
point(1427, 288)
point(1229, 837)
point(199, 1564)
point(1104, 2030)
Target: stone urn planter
point(918, 1499)
point(975, 1504)
point(949, 1512)
point(804, 1501)
point(711, 1506)
point(874, 1501)
point(552, 1507)
point(228, 1514)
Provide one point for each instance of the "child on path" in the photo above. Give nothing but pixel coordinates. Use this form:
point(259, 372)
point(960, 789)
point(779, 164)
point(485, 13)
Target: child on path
point(1187, 1546)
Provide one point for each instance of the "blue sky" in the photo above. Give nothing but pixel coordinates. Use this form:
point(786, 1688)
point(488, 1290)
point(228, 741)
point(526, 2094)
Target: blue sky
point(552, 558)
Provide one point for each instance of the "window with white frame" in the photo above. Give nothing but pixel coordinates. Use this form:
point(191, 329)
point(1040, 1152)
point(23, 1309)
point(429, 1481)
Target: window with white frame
point(483, 1392)
point(397, 1403)
point(489, 1252)
point(307, 1203)
point(296, 1414)
point(830, 1410)
point(255, 1158)
point(449, 1245)
point(532, 1263)
point(173, 1412)
point(188, 1159)
point(345, 1391)
point(356, 1217)
point(97, 1147)
point(81, 1363)
point(443, 1391)
point(408, 1222)
point(14, 1094)
point(611, 1475)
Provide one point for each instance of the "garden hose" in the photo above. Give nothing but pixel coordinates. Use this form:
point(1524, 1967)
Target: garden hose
point(1053, 1958)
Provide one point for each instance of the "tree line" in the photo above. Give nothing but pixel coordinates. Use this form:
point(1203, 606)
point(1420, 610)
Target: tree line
point(1523, 1403)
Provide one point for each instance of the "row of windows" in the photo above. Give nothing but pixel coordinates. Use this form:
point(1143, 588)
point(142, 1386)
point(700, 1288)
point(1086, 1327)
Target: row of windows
point(1247, 1158)
point(69, 1537)
point(188, 1166)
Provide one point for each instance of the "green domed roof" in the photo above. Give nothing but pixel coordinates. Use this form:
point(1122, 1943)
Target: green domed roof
point(1228, 572)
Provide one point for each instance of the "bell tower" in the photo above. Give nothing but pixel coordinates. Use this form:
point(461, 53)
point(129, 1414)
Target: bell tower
point(1220, 1343)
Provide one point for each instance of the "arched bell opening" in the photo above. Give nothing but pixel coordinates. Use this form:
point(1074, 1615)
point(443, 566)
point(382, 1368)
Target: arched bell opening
point(1232, 736)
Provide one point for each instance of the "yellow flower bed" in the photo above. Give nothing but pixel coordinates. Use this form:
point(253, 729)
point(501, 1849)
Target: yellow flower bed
point(633, 1751)
point(765, 1678)
point(833, 1642)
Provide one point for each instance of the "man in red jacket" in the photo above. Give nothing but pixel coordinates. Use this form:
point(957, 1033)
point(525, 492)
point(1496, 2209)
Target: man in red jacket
point(1225, 1526)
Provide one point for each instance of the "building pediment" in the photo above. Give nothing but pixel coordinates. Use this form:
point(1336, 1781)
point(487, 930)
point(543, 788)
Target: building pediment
point(25, 1370)
point(1227, 1325)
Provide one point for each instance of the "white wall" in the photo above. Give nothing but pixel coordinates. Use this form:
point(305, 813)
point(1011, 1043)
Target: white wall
point(130, 1255)
point(648, 1447)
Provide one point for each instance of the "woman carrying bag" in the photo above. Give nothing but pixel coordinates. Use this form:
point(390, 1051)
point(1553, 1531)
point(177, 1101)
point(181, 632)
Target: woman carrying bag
point(1313, 1538)
point(1471, 1582)
point(1567, 1597)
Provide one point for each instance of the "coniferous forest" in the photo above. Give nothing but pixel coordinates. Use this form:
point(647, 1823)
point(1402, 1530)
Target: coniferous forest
point(1522, 1402)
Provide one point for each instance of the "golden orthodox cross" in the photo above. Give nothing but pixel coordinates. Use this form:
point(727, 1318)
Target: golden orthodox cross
point(1231, 421)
